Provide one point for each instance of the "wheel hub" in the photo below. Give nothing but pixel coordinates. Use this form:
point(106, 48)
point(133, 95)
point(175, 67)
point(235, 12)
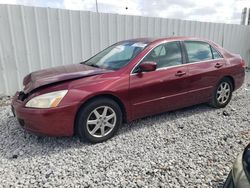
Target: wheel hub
point(101, 121)
point(223, 92)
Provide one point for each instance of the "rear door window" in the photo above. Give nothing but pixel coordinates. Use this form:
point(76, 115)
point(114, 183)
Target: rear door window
point(198, 51)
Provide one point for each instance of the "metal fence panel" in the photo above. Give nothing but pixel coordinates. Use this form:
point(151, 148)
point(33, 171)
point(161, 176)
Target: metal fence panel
point(32, 38)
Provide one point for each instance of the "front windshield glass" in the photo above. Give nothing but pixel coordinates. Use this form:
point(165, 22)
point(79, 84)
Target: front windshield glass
point(117, 55)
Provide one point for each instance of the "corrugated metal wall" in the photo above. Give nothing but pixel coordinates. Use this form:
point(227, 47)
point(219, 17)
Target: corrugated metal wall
point(34, 38)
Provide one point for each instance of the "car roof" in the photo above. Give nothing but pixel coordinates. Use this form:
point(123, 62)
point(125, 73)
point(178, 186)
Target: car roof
point(151, 40)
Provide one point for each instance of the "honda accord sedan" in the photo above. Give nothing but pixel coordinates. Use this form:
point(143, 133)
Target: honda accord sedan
point(126, 81)
point(239, 177)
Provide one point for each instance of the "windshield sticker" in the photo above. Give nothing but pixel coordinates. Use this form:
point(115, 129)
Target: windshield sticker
point(119, 48)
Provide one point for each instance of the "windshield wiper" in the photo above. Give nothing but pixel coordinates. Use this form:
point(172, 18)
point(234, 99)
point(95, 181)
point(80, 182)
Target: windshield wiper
point(90, 64)
point(94, 65)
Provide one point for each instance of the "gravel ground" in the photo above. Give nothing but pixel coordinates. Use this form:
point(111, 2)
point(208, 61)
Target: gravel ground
point(192, 147)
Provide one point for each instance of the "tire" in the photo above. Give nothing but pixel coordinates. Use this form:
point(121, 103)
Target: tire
point(98, 120)
point(220, 102)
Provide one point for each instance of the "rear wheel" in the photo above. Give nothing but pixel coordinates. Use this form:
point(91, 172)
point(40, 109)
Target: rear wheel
point(98, 120)
point(222, 94)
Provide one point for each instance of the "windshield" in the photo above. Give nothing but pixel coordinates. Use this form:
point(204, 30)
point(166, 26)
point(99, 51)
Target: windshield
point(117, 55)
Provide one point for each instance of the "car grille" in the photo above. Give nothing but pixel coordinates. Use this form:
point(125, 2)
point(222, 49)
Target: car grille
point(22, 96)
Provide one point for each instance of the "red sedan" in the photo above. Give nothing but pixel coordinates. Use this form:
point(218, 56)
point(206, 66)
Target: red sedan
point(126, 81)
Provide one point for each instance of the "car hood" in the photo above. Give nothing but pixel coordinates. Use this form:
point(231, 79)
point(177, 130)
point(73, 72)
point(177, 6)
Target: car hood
point(57, 74)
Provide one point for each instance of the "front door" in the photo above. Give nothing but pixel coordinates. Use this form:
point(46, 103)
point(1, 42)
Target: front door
point(163, 89)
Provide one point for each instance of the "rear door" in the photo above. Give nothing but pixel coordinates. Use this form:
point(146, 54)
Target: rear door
point(204, 64)
point(162, 89)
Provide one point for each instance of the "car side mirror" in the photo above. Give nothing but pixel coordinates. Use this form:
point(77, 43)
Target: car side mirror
point(147, 66)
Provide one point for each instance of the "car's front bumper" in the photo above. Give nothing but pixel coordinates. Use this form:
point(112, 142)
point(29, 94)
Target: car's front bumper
point(57, 121)
point(237, 177)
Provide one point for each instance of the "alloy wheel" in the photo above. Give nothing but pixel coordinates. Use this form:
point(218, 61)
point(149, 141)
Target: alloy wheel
point(101, 121)
point(223, 92)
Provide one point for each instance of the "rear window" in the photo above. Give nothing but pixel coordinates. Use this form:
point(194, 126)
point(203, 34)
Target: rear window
point(198, 51)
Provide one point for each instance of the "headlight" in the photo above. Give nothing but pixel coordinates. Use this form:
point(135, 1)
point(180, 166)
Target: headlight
point(48, 100)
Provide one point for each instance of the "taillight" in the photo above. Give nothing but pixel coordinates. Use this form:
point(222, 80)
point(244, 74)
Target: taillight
point(243, 63)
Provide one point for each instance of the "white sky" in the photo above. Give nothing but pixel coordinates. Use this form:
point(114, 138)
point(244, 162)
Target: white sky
point(225, 11)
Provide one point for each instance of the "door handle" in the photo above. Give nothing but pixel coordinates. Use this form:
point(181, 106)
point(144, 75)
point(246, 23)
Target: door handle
point(218, 65)
point(180, 73)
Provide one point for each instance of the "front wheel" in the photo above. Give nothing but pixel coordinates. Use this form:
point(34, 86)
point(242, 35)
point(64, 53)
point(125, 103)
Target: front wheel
point(99, 120)
point(222, 94)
